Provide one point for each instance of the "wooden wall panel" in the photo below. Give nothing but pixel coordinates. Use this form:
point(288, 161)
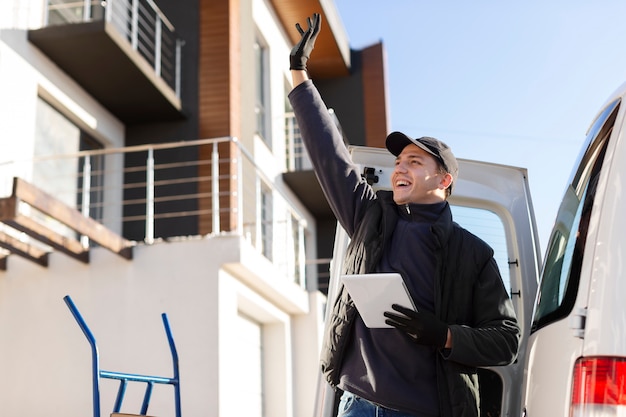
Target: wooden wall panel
point(219, 68)
point(375, 107)
point(219, 100)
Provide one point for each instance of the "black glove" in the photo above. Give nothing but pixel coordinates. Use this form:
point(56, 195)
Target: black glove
point(301, 52)
point(423, 327)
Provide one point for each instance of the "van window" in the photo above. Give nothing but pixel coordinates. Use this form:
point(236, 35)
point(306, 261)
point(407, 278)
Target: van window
point(558, 287)
point(489, 227)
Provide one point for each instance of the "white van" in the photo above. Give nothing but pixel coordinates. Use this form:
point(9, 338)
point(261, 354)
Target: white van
point(572, 359)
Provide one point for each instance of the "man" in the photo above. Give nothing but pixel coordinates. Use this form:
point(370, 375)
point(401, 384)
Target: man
point(425, 365)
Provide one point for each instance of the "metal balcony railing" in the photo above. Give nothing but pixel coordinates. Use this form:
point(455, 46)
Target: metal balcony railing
point(141, 22)
point(297, 156)
point(167, 191)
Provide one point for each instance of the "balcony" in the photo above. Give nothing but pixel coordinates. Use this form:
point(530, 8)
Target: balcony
point(122, 197)
point(300, 176)
point(125, 53)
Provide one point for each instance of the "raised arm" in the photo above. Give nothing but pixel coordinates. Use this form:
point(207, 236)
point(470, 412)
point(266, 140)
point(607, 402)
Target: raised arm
point(339, 177)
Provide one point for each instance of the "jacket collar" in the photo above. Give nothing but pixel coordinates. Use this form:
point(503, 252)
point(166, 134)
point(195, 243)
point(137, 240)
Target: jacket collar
point(441, 228)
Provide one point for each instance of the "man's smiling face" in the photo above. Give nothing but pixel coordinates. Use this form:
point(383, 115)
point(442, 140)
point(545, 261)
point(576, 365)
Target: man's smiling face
point(418, 178)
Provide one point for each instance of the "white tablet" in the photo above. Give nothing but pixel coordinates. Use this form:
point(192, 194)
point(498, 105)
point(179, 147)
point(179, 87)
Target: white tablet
point(373, 294)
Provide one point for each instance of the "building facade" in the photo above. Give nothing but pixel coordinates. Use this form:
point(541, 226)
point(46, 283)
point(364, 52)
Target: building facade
point(149, 163)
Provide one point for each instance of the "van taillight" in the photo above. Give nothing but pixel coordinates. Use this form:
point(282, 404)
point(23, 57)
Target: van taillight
point(599, 387)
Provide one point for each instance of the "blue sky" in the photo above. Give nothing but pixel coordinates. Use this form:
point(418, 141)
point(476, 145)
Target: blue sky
point(514, 83)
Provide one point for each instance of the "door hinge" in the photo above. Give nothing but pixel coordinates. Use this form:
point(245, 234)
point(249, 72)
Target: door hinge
point(577, 322)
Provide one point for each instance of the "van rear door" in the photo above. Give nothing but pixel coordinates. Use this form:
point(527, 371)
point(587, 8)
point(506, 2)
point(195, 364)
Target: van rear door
point(493, 202)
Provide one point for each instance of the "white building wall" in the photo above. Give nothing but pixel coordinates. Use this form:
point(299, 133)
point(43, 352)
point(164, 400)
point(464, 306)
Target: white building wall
point(201, 284)
point(25, 75)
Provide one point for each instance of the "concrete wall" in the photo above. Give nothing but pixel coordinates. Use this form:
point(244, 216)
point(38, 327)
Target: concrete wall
point(26, 74)
point(201, 284)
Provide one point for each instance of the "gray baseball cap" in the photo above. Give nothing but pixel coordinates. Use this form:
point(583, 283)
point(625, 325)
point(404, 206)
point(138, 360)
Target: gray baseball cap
point(397, 141)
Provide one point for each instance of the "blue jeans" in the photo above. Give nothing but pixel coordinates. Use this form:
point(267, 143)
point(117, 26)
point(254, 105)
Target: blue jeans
point(353, 406)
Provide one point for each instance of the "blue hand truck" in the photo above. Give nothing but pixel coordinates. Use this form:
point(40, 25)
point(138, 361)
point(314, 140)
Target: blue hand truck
point(124, 378)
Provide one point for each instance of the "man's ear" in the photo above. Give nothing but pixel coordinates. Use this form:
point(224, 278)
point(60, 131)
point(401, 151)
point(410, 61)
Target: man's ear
point(446, 181)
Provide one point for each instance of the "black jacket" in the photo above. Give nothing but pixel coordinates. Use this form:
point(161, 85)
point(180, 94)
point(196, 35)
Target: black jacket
point(470, 298)
point(469, 294)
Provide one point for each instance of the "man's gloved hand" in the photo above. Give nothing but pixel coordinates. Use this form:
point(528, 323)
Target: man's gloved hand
point(300, 53)
point(423, 327)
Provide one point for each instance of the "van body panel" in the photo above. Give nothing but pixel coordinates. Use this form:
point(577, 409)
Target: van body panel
point(549, 383)
point(579, 310)
point(606, 316)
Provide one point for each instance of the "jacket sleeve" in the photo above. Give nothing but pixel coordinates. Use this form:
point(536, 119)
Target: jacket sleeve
point(493, 337)
point(340, 179)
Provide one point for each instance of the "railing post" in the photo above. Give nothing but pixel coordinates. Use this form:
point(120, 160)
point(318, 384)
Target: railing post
point(157, 45)
point(258, 240)
point(215, 188)
point(86, 10)
point(290, 133)
point(86, 195)
point(179, 45)
point(149, 238)
point(239, 191)
point(46, 13)
point(135, 24)
point(108, 10)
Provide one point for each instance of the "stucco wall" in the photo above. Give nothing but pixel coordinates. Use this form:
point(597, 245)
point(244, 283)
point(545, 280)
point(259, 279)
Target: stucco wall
point(201, 284)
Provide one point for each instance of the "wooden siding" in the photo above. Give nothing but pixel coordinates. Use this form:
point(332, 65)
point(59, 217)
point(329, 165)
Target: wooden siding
point(219, 97)
point(328, 61)
point(375, 96)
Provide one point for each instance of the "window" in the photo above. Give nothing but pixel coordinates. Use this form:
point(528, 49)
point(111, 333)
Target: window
point(295, 147)
point(267, 222)
point(489, 227)
point(63, 175)
point(297, 237)
point(261, 107)
point(90, 195)
point(561, 273)
point(71, 11)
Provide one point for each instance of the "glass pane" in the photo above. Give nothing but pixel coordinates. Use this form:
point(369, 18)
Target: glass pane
point(559, 257)
point(266, 222)
point(489, 227)
point(74, 11)
point(295, 238)
point(56, 135)
point(261, 89)
point(62, 176)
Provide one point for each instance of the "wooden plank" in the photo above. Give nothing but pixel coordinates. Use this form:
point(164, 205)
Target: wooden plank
point(8, 212)
point(3, 262)
point(71, 217)
point(23, 249)
point(8, 208)
point(44, 234)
